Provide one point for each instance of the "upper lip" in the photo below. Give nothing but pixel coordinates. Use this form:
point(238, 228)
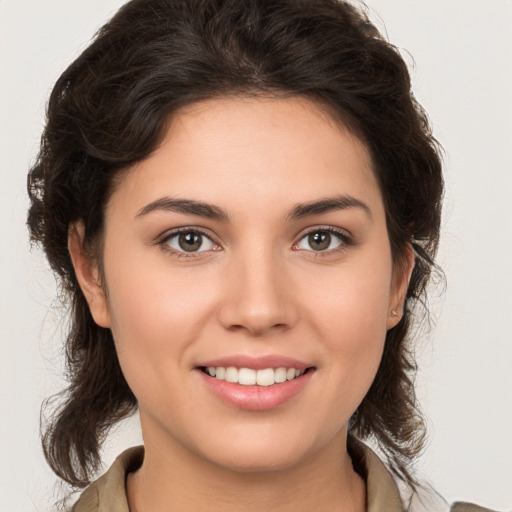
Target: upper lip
point(256, 362)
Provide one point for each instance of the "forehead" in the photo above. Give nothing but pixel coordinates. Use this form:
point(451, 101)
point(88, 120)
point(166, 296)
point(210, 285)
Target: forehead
point(253, 152)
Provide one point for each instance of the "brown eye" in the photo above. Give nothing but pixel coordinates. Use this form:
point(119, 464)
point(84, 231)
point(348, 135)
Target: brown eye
point(319, 241)
point(323, 240)
point(190, 241)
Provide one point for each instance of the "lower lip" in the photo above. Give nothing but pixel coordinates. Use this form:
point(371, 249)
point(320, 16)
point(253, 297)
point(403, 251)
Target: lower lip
point(256, 398)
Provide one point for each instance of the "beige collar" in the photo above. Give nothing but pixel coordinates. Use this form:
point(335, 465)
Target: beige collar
point(108, 493)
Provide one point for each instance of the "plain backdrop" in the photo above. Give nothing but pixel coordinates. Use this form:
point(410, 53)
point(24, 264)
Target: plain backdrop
point(462, 74)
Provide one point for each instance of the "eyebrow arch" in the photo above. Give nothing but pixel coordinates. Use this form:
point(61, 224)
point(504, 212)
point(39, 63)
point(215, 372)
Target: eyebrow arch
point(201, 209)
point(186, 206)
point(326, 205)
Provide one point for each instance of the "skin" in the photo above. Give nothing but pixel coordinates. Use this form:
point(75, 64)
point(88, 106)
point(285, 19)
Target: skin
point(257, 288)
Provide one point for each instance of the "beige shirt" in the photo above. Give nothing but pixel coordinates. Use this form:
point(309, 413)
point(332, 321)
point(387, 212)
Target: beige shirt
point(108, 493)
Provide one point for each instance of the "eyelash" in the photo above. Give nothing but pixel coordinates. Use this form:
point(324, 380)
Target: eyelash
point(164, 241)
point(342, 236)
point(345, 240)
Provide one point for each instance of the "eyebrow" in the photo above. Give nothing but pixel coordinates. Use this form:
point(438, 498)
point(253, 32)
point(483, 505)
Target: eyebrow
point(186, 206)
point(299, 211)
point(327, 205)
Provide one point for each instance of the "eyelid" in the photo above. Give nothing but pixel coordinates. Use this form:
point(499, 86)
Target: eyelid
point(343, 235)
point(163, 240)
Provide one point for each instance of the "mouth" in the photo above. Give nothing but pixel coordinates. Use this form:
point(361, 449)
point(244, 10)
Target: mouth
point(256, 382)
point(265, 377)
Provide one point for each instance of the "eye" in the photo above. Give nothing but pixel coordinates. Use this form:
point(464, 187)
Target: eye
point(322, 240)
point(189, 241)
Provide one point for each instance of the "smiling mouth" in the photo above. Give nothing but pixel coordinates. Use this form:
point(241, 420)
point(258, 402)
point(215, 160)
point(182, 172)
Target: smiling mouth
point(250, 377)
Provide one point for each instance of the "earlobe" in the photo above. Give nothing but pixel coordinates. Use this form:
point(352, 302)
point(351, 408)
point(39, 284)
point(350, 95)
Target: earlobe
point(401, 278)
point(88, 275)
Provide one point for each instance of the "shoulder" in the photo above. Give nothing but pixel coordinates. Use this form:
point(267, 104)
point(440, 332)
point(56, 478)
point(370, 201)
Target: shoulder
point(386, 492)
point(468, 507)
point(108, 493)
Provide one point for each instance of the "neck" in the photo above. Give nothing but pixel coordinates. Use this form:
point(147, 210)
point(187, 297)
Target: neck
point(171, 475)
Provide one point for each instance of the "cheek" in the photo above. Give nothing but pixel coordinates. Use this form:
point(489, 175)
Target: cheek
point(155, 317)
point(354, 334)
point(351, 317)
point(353, 302)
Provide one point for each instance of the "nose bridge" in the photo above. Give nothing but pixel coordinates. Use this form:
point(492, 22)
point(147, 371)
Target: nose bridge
point(257, 297)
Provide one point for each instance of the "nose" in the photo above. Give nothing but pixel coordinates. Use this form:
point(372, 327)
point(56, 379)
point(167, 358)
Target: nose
point(258, 296)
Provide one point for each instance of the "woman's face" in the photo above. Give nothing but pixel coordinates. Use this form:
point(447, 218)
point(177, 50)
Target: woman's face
point(253, 239)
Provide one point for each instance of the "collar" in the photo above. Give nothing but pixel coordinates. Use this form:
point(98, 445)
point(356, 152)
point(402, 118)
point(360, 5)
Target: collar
point(108, 493)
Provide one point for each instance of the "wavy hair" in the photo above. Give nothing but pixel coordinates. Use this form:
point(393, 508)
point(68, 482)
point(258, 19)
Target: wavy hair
point(109, 110)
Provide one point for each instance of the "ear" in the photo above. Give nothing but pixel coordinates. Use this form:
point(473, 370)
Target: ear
point(401, 276)
point(88, 274)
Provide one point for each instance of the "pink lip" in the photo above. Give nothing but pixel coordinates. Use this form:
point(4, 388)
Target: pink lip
point(255, 398)
point(257, 363)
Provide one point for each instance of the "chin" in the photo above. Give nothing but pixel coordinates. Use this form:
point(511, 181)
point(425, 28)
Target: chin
point(262, 452)
point(256, 461)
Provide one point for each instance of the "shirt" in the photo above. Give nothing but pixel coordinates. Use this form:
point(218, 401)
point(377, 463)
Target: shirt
point(108, 493)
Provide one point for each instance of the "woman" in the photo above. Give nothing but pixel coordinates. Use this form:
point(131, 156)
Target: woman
point(242, 200)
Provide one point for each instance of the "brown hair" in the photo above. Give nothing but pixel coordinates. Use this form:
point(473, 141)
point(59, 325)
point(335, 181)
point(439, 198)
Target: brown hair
point(109, 110)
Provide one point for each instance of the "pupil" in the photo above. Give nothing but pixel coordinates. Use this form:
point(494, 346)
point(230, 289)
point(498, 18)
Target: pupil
point(190, 242)
point(319, 241)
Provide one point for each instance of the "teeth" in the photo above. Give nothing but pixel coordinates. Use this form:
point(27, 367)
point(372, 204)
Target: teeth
point(231, 374)
point(280, 375)
point(247, 377)
point(265, 377)
point(250, 377)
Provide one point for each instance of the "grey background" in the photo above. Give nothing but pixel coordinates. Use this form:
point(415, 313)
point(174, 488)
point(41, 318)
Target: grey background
point(462, 75)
